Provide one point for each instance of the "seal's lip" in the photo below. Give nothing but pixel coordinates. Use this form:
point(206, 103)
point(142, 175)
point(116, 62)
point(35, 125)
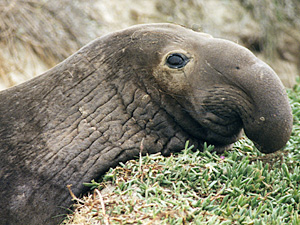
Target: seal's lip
point(196, 126)
point(265, 151)
point(221, 143)
point(216, 129)
point(221, 148)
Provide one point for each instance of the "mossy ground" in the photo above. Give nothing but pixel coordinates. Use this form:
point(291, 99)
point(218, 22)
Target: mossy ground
point(241, 186)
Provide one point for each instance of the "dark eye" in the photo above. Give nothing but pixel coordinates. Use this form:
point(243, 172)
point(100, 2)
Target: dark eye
point(177, 60)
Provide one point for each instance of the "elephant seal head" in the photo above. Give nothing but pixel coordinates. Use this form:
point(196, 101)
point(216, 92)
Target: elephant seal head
point(149, 87)
point(211, 88)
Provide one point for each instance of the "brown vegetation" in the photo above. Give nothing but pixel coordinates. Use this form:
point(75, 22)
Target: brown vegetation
point(39, 33)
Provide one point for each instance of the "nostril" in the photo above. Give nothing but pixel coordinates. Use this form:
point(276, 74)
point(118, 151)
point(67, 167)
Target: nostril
point(237, 67)
point(262, 119)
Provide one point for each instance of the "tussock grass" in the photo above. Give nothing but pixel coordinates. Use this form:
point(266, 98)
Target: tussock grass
point(242, 186)
point(53, 30)
point(278, 20)
point(37, 34)
point(49, 30)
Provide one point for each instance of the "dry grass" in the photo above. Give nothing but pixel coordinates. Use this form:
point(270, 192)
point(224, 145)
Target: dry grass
point(51, 30)
point(275, 18)
point(241, 187)
point(115, 205)
point(37, 34)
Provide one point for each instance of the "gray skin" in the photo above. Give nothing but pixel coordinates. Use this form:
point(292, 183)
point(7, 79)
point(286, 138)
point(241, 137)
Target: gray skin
point(93, 110)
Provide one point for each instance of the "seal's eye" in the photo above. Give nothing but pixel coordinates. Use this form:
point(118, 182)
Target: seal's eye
point(177, 60)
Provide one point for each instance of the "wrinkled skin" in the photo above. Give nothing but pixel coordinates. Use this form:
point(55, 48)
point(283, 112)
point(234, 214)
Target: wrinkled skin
point(92, 111)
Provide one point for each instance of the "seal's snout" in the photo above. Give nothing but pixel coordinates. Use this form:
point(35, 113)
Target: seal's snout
point(272, 121)
point(266, 113)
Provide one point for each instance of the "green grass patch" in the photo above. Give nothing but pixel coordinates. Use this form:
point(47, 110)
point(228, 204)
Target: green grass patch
point(241, 186)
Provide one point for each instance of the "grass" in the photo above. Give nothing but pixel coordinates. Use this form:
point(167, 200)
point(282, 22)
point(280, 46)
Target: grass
point(242, 186)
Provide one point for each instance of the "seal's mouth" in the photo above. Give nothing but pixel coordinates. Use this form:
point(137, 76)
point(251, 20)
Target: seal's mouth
point(212, 120)
point(220, 131)
point(218, 111)
point(217, 130)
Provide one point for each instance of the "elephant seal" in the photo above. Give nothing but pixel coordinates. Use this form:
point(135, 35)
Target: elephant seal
point(160, 84)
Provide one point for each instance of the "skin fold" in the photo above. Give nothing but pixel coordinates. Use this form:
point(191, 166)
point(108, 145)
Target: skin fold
point(156, 84)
